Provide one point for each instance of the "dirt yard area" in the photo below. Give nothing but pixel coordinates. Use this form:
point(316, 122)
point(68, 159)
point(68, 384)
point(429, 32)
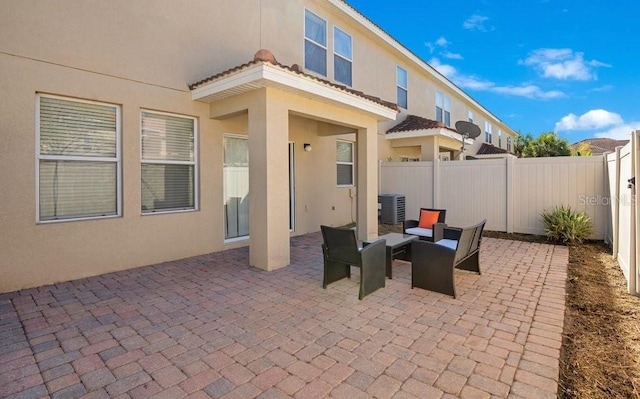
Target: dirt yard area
point(601, 347)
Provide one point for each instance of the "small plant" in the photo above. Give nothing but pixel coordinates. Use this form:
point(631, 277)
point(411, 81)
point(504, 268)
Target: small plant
point(567, 226)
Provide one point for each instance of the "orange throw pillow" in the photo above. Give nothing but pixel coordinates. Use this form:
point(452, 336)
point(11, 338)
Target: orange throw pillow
point(428, 219)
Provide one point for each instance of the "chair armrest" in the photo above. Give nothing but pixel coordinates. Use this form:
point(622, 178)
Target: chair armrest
point(373, 257)
point(407, 224)
point(371, 248)
point(438, 231)
point(452, 233)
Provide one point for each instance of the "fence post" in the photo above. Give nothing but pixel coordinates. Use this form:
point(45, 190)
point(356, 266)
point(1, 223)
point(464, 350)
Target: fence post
point(635, 215)
point(615, 203)
point(436, 183)
point(509, 192)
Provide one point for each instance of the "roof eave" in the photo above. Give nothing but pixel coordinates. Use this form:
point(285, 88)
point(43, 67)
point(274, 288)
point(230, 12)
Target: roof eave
point(266, 74)
point(427, 133)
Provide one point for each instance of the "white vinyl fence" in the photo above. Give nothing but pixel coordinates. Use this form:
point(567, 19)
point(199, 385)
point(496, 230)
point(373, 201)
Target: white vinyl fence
point(510, 193)
point(622, 234)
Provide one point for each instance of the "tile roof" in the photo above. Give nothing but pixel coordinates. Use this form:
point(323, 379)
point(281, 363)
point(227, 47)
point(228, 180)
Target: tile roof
point(601, 145)
point(266, 57)
point(414, 122)
point(490, 149)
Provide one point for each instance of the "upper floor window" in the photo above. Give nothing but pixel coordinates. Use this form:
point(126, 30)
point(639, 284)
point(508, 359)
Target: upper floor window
point(509, 143)
point(168, 178)
point(487, 132)
point(79, 162)
point(443, 108)
point(499, 138)
point(402, 86)
point(470, 116)
point(342, 56)
point(345, 164)
point(315, 43)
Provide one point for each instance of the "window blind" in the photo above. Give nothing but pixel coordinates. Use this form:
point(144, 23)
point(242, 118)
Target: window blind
point(78, 159)
point(168, 162)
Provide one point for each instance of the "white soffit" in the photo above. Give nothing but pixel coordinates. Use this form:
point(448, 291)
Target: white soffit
point(268, 75)
point(426, 133)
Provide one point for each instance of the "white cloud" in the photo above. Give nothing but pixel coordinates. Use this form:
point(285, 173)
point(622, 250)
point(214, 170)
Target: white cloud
point(593, 119)
point(563, 64)
point(620, 132)
point(476, 22)
point(606, 124)
point(474, 83)
point(602, 88)
point(452, 56)
point(442, 42)
point(529, 91)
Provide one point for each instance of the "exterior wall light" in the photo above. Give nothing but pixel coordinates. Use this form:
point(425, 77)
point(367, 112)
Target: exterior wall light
point(307, 147)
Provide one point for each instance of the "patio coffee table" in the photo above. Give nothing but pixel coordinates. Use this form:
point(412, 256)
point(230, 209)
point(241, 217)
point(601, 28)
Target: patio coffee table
point(398, 247)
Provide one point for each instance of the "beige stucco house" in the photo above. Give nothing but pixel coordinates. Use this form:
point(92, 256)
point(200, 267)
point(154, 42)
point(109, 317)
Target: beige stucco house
point(137, 132)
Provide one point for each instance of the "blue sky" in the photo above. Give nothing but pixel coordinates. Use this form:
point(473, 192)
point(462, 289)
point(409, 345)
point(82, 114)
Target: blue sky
point(567, 66)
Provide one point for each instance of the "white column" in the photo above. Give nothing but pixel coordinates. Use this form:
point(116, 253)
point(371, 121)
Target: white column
point(367, 167)
point(268, 182)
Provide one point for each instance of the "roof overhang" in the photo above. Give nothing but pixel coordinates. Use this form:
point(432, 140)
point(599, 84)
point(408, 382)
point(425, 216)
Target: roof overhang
point(265, 74)
point(427, 133)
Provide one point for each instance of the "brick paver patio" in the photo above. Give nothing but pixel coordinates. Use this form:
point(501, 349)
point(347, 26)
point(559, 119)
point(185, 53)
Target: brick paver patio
point(211, 326)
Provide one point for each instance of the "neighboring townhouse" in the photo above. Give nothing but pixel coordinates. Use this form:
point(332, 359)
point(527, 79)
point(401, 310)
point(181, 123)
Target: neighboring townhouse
point(598, 146)
point(135, 133)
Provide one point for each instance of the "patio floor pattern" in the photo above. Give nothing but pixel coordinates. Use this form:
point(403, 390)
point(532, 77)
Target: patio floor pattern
point(213, 327)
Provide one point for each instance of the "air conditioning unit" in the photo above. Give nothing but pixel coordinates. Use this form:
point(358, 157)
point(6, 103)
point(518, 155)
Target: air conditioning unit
point(392, 208)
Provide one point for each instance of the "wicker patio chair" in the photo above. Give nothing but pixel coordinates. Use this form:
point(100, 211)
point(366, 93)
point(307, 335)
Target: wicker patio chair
point(433, 263)
point(425, 232)
point(340, 250)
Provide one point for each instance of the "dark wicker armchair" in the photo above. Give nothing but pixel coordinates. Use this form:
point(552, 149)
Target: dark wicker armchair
point(433, 263)
point(412, 226)
point(340, 251)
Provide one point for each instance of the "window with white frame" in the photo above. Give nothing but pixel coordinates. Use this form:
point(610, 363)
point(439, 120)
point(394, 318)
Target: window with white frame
point(470, 116)
point(402, 85)
point(315, 43)
point(168, 178)
point(487, 132)
point(345, 164)
point(499, 138)
point(342, 56)
point(443, 108)
point(509, 143)
point(79, 163)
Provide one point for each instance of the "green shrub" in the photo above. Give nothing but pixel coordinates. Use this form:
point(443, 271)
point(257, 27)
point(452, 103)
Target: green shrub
point(567, 226)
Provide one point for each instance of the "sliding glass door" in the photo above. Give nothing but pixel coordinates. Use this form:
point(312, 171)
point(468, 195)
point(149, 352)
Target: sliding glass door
point(236, 187)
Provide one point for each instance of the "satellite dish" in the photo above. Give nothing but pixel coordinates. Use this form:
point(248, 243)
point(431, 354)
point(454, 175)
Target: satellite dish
point(468, 129)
